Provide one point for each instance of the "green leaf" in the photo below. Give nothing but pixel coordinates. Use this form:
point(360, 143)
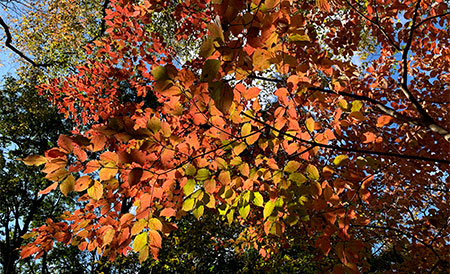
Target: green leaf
point(188, 204)
point(298, 178)
point(160, 73)
point(268, 209)
point(198, 212)
point(230, 216)
point(189, 187)
point(340, 160)
point(191, 170)
point(207, 48)
point(202, 174)
point(291, 166)
point(210, 70)
point(258, 199)
point(140, 241)
point(299, 38)
point(312, 172)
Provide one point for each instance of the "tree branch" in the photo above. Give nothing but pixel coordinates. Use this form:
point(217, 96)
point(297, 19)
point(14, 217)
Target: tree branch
point(426, 120)
point(103, 22)
point(355, 150)
point(18, 52)
point(391, 112)
point(430, 18)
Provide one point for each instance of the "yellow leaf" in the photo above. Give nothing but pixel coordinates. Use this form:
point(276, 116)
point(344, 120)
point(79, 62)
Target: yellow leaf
point(202, 174)
point(35, 160)
point(95, 191)
point(189, 187)
point(140, 241)
point(239, 148)
point(356, 105)
point(108, 171)
point(190, 170)
point(310, 124)
point(108, 236)
point(299, 38)
point(291, 166)
point(312, 172)
point(155, 224)
point(143, 254)
point(268, 209)
point(67, 185)
point(297, 178)
point(244, 211)
point(258, 199)
point(340, 160)
point(188, 204)
point(246, 129)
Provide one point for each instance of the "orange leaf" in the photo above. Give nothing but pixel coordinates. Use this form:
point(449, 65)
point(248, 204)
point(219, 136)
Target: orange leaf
point(383, 120)
point(98, 142)
point(65, 143)
point(82, 183)
point(323, 243)
point(48, 189)
point(323, 5)
point(210, 186)
point(155, 238)
point(251, 93)
point(370, 137)
point(167, 212)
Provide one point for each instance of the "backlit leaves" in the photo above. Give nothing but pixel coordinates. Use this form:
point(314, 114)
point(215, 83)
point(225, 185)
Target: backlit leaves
point(268, 209)
point(261, 125)
point(140, 241)
point(35, 160)
point(312, 172)
point(95, 191)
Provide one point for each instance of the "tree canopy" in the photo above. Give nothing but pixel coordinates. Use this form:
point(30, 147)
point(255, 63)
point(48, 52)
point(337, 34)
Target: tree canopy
point(275, 123)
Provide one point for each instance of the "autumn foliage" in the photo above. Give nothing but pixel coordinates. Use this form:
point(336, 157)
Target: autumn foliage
point(354, 156)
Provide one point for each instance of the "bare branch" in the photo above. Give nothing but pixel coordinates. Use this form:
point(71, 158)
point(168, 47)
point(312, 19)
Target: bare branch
point(355, 150)
point(18, 52)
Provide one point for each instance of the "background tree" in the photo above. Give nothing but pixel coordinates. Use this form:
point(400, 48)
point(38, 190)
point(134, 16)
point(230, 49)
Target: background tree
point(28, 124)
point(356, 159)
